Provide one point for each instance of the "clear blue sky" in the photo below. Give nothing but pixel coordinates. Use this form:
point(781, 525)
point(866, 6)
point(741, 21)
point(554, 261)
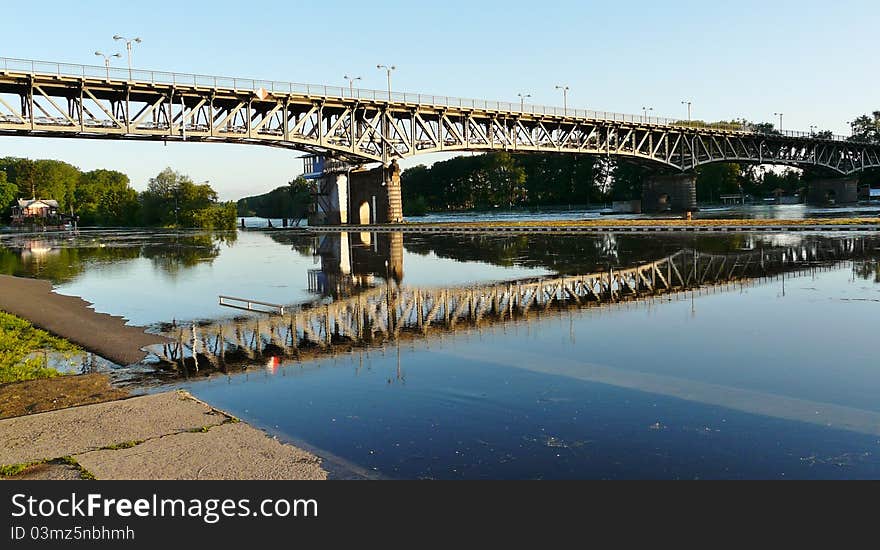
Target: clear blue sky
point(816, 61)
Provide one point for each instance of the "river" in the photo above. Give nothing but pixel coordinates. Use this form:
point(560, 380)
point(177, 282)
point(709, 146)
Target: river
point(760, 362)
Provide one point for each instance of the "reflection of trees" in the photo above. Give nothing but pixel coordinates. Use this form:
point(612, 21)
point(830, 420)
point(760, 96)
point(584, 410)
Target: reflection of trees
point(62, 260)
point(60, 264)
point(184, 251)
point(566, 255)
point(870, 271)
point(301, 244)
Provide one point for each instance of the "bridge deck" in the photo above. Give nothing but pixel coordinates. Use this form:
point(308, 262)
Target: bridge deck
point(50, 99)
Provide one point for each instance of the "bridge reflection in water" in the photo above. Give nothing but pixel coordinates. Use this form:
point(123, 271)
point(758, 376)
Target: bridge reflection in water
point(363, 303)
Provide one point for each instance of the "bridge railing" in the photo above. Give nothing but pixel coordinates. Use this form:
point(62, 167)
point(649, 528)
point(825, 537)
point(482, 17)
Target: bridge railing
point(341, 92)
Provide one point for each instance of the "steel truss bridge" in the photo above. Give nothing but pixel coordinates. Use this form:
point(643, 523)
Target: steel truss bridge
point(356, 125)
point(388, 312)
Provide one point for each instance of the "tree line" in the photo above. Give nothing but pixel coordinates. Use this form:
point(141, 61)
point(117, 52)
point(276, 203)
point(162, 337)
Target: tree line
point(106, 198)
point(505, 180)
point(290, 201)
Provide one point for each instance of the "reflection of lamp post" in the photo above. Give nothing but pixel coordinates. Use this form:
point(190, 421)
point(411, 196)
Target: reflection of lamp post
point(128, 48)
point(107, 61)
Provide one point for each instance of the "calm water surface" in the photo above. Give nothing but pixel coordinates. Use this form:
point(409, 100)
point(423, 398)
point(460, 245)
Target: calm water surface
point(771, 371)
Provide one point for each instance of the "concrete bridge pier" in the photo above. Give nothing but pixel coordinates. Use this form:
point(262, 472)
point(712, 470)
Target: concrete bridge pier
point(677, 193)
point(833, 191)
point(374, 195)
point(333, 201)
point(359, 196)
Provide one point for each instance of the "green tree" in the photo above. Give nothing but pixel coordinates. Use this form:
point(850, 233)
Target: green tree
point(8, 194)
point(714, 180)
point(172, 199)
point(105, 197)
point(867, 127)
point(627, 179)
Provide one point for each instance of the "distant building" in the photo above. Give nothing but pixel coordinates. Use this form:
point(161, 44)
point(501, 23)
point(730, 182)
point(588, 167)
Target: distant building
point(41, 213)
point(26, 210)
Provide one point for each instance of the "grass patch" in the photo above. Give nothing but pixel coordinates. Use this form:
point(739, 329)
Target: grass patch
point(69, 460)
point(15, 469)
point(18, 340)
point(123, 445)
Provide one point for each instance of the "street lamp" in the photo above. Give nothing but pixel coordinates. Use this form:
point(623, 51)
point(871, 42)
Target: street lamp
point(388, 70)
point(688, 103)
point(128, 48)
point(564, 98)
point(107, 61)
point(522, 101)
point(645, 113)
point(780, 120)
point(351, 83)
point(813, 128)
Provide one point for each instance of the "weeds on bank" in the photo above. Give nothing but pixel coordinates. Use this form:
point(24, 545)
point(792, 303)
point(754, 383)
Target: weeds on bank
point(18, 340)
point(15, 469)
point(123, 445)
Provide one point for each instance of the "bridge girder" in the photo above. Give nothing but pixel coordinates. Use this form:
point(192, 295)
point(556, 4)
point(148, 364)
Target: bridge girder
point(48, 105)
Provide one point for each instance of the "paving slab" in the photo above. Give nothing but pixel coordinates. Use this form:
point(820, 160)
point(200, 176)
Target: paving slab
point(230, 451)
point(78, 430)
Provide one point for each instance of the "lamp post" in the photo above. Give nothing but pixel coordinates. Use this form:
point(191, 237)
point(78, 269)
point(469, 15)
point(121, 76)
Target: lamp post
point(645, 113)
point(127, 48)
point(780, 120)
point(688, 103)
point(388, 70)
point(564, 99)
point(522, 101)
point(107, 61)
point(351, 83)
point(813, 129)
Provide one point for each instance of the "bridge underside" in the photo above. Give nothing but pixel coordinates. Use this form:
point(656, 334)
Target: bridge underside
point(374, 130)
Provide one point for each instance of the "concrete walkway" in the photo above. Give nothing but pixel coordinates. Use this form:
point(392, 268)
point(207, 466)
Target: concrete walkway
point(170, 435)
point(72, 318)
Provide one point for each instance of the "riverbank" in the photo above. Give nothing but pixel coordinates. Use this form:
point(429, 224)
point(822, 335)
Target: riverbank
point(71, 318)
point(81, 427)
point(59, 392)
point(24, 350)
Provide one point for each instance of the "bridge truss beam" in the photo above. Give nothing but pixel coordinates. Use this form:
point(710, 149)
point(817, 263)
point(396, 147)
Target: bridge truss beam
point(368, 130)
